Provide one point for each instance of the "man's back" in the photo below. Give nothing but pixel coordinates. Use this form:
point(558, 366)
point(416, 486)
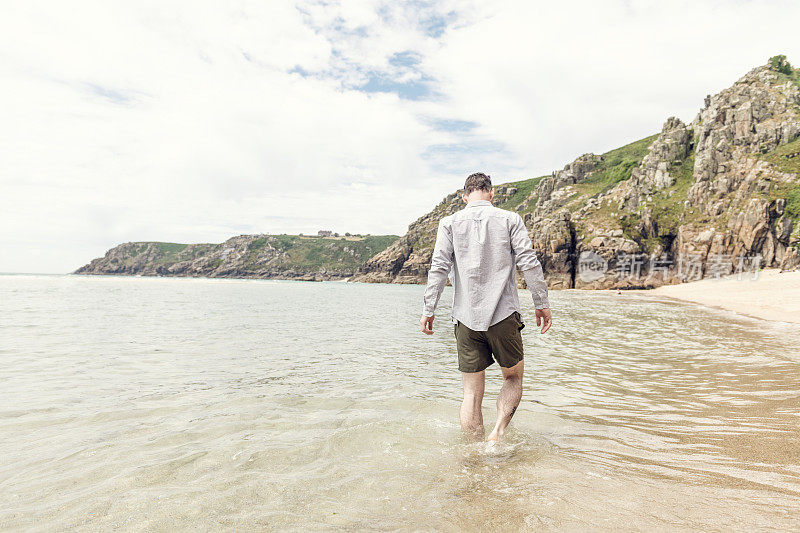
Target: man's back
point(479, 247)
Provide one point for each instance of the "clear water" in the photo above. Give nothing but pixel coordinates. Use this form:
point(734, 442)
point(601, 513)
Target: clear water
point(185, 403)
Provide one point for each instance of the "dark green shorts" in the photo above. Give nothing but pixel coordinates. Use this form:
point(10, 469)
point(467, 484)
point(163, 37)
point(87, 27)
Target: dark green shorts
point(503, 341)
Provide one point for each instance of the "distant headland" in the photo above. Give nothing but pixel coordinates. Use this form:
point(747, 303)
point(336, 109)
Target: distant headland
point(323, 257)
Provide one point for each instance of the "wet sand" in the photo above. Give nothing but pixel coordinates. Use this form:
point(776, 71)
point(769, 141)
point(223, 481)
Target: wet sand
point(771, 296)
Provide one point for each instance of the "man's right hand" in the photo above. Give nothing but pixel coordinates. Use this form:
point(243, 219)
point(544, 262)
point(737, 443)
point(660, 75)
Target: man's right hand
point(544, 319)
point(426, 324)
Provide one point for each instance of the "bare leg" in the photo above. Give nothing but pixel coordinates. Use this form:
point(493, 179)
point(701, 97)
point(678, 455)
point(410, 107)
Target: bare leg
point(508, 399)
point(471, 415)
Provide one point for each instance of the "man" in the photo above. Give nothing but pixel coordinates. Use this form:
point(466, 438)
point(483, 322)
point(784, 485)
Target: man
point(478, 248)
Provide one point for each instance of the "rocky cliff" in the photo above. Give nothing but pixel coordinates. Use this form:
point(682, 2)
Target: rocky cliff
point(717, 196)
point(246, 256)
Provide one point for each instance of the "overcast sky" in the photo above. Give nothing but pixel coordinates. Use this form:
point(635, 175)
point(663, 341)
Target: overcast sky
point(196, 121)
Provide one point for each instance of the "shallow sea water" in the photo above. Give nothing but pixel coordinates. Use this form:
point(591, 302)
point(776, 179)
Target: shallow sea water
point(163, 404)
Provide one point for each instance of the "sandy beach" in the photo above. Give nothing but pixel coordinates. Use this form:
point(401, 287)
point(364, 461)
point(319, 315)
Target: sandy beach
point(772, 296)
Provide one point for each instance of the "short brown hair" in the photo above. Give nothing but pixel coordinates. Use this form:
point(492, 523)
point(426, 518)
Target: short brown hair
point(478, 182)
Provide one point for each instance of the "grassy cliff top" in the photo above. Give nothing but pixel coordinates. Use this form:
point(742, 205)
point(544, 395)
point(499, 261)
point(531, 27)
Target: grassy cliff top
point(308, 251)
point(616, 166)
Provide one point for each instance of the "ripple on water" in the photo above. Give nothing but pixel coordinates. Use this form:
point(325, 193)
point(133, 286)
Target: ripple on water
point(163, 404)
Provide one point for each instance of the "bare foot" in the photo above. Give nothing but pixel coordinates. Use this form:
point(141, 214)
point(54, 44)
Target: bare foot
point(493, 445)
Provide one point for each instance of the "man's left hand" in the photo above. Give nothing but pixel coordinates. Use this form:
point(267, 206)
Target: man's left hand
point(426, 325)
point(544, 319)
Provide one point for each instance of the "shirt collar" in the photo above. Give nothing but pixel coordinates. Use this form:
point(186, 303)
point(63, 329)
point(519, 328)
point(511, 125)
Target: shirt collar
point(476, 203)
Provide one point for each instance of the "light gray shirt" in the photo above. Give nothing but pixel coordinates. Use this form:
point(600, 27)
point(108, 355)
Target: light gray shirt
point(479, 249)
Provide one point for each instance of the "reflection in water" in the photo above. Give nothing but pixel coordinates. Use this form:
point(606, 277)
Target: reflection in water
point(153, 403)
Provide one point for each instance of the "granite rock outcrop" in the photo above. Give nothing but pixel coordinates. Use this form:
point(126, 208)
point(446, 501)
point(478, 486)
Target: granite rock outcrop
point(716, 196)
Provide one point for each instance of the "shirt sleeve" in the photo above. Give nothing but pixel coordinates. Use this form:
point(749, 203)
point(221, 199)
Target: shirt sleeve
point(528, 263)
point(441, 263)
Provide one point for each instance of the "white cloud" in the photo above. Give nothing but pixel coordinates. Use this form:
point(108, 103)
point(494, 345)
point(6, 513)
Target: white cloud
point(194, 122)
point(554, 80)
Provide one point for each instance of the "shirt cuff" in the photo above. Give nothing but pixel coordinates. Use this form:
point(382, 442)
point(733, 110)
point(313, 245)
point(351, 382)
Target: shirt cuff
point(534, 279)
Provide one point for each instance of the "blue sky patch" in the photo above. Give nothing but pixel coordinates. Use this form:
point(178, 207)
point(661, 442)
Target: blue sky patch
point(472, 155)
point(409, 90)
point(435, 25)
point(112, 95)
point(405, 59)
point(452, 124)
point(297, 69)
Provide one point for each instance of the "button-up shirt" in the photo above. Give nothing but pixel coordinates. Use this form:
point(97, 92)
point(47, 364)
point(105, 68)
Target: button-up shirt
point(479, 249)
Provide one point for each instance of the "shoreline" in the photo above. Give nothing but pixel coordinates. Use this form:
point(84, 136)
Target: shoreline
point(773, 296)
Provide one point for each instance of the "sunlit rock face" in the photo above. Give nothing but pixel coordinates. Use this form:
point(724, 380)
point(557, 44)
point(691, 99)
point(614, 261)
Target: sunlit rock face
point(696, 200)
